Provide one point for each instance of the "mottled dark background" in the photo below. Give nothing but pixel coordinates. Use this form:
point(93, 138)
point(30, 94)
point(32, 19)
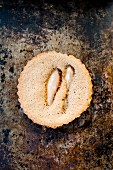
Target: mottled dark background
point(82, 28)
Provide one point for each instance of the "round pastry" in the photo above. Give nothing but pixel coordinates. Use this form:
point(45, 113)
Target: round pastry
point(54, 89)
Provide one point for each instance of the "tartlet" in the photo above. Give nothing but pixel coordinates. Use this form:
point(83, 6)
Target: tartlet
point(54, 89)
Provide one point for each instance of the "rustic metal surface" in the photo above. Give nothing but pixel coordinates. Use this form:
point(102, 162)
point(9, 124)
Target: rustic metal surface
point(83, 29)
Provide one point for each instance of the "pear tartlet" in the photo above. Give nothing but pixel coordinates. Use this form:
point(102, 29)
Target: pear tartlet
point(54, 89)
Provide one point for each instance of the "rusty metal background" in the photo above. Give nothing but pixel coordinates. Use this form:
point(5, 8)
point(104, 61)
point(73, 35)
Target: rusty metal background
point(79, 27)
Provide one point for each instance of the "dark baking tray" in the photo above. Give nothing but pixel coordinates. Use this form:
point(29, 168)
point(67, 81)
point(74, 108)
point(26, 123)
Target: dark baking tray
point(84, 29)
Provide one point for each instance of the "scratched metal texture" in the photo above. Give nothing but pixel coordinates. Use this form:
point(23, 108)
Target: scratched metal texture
point(79, 27)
